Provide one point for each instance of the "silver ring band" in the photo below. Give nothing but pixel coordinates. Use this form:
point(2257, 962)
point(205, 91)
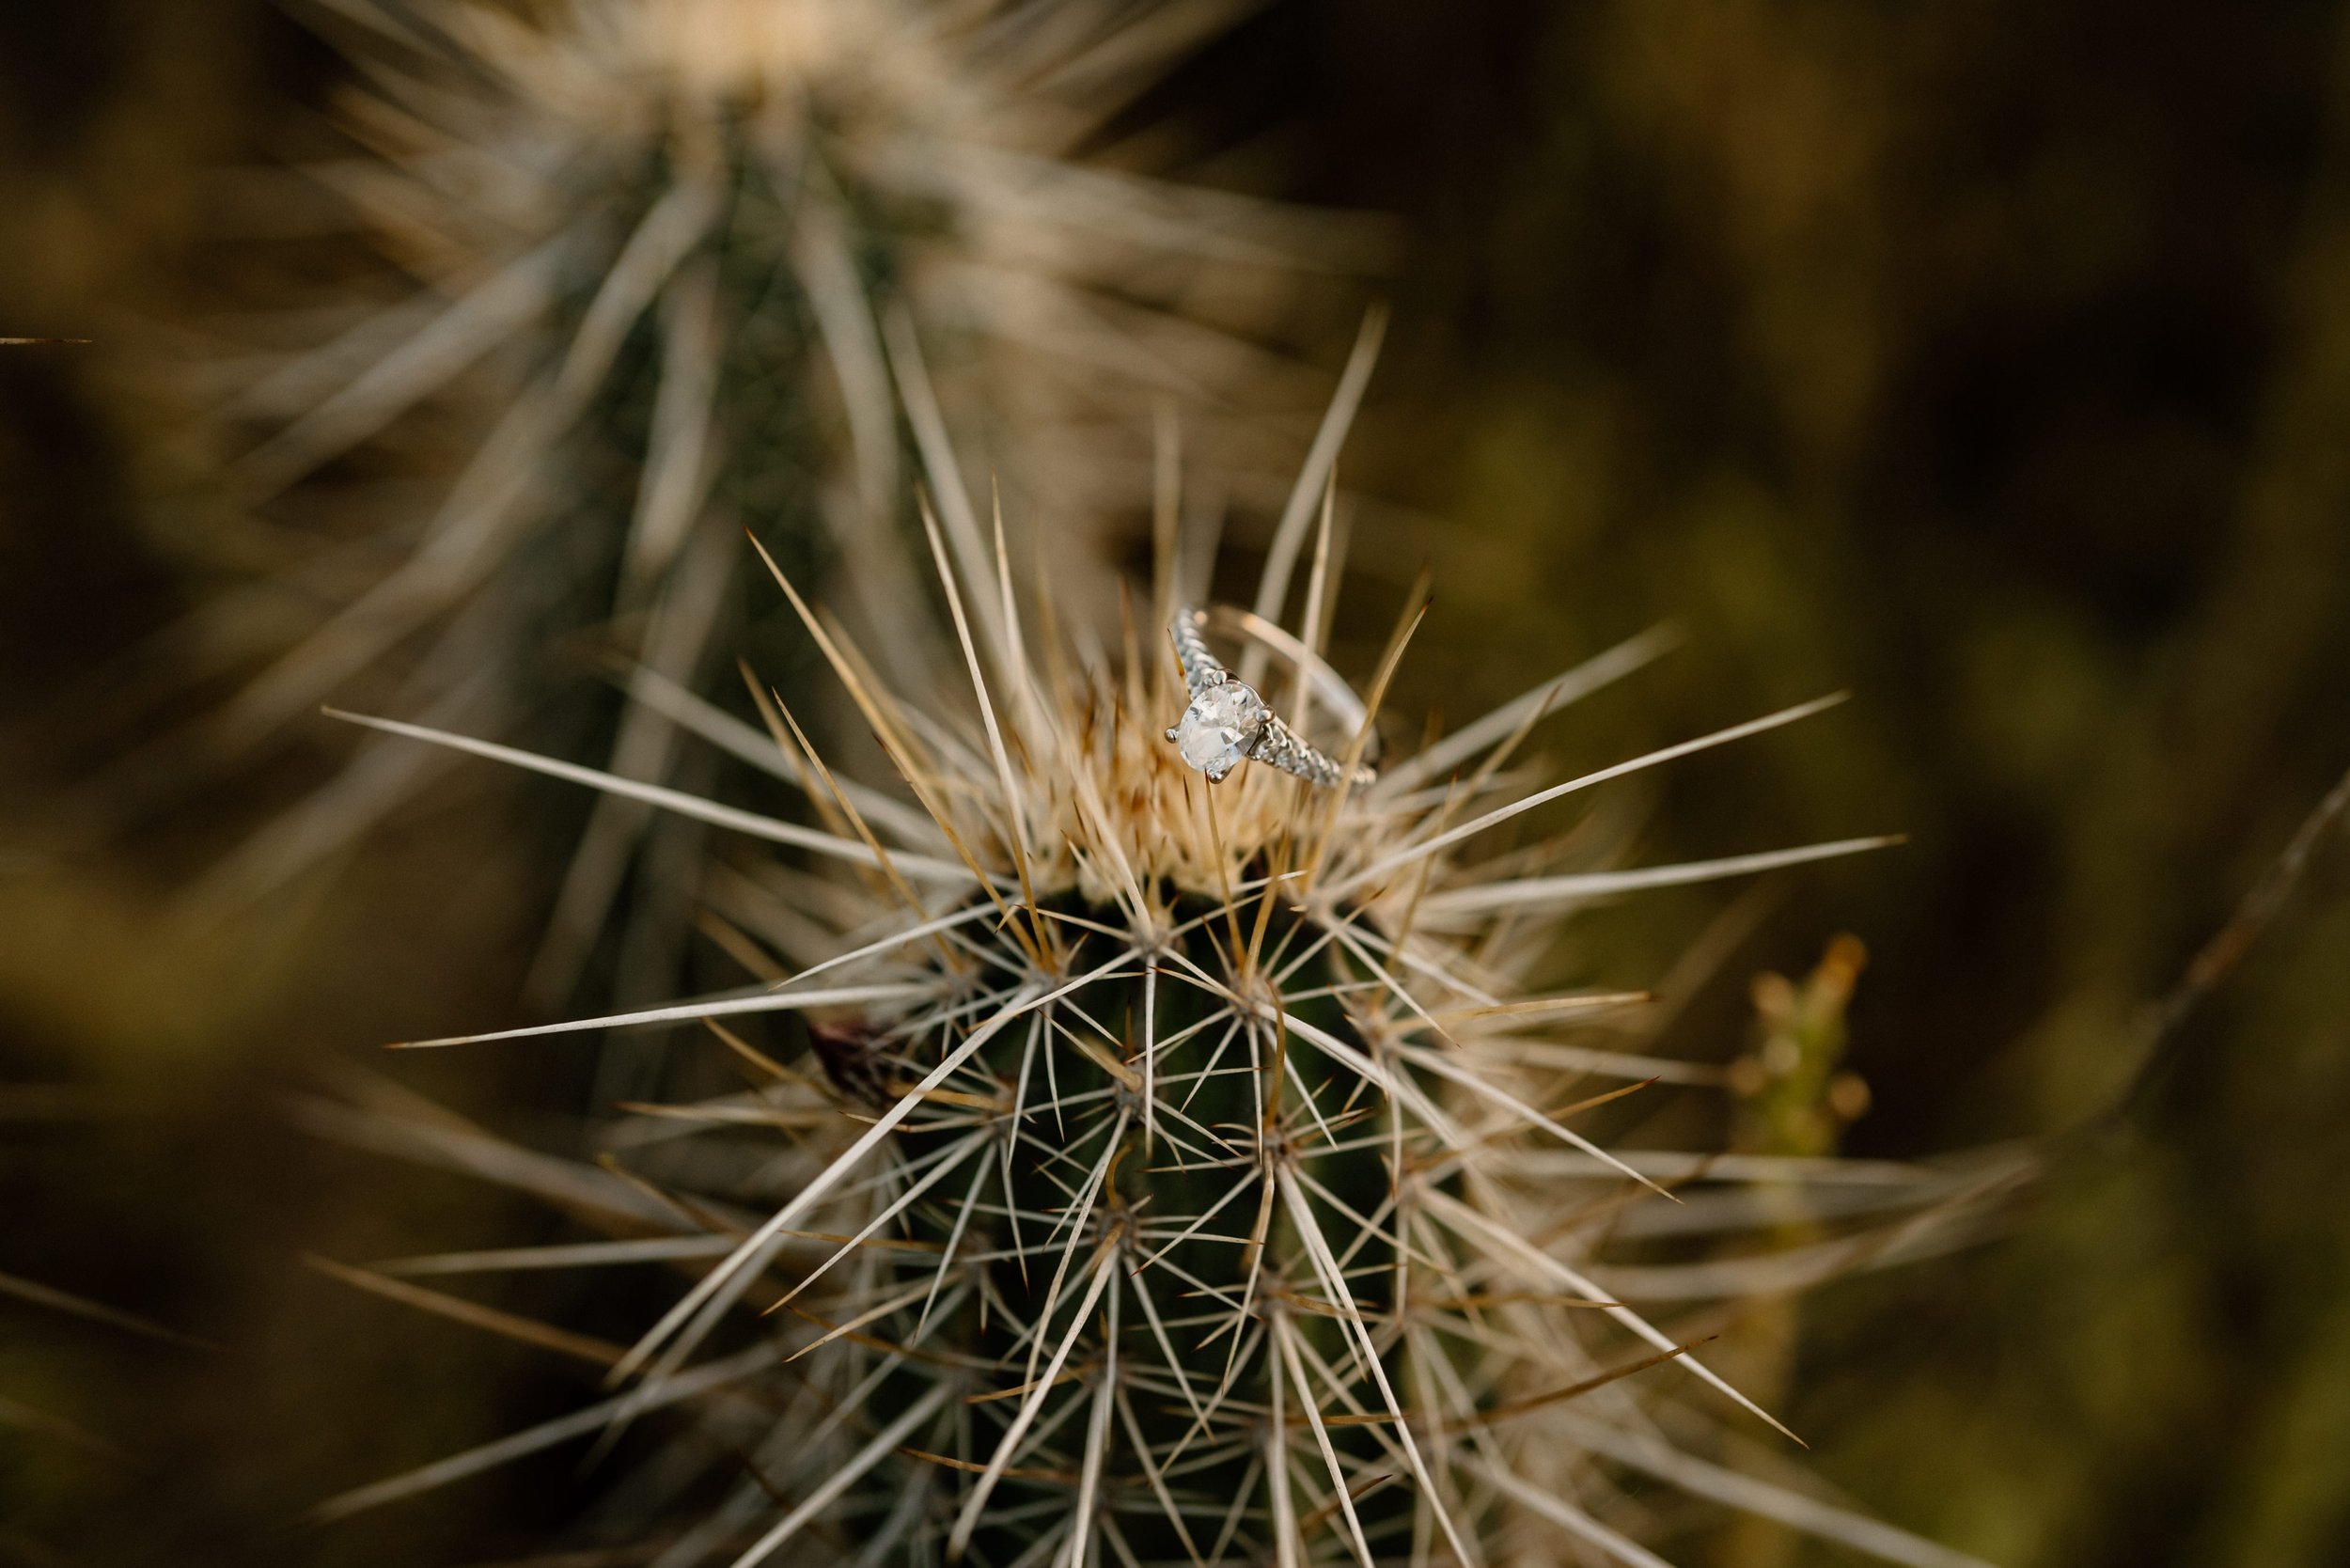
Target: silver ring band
point(1200, 668)
point(1227, 722)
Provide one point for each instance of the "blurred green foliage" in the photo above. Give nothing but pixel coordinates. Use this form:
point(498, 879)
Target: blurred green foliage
point(1991, 360)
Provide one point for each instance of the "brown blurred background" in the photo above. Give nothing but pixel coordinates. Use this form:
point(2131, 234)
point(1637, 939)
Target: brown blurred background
point(1991, 360)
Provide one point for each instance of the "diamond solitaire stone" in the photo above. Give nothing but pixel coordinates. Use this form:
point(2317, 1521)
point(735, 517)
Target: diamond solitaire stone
point(1219, 729)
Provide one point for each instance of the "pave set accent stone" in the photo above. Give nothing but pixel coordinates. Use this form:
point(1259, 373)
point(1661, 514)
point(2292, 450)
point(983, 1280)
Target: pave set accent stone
point(1219, 729)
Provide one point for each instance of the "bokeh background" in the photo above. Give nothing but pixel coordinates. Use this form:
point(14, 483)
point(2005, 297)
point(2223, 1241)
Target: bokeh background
point(1990, 360)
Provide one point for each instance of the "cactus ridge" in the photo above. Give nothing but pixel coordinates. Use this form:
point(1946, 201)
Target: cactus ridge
point(1168, 1192)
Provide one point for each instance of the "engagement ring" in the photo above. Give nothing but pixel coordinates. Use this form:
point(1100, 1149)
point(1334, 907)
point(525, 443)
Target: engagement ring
point(1227, 723)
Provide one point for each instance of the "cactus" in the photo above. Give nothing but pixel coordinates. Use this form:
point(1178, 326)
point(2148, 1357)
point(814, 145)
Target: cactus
point(1123, 1169)
point(647, 263)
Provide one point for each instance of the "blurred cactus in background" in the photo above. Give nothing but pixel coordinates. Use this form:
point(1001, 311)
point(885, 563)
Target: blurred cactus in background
point(648, 272)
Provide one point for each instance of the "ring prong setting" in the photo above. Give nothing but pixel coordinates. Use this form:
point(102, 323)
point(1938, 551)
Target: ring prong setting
point(1219, 729)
